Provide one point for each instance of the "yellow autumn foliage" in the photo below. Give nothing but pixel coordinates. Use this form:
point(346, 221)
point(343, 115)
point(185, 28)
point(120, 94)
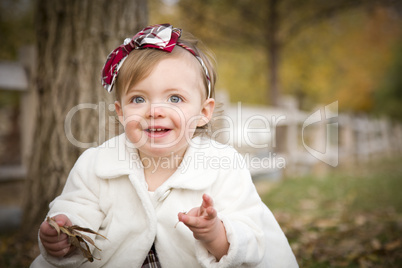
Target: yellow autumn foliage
point(344, 57)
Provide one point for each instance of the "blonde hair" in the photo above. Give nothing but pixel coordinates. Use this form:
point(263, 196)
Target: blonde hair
point(140, 62)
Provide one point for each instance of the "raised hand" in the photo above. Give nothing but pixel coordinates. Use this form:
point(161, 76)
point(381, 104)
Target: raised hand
point(207, 227)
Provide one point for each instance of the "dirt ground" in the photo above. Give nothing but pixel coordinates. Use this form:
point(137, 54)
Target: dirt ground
point(11, 193)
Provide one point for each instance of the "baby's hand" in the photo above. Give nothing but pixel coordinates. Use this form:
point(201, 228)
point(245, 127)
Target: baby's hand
point(202, 221)
point(207, 227)
point(55, 245)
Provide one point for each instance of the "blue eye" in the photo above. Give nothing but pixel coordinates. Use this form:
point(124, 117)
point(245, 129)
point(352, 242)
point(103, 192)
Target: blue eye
point(175, 99)
point(138, 100)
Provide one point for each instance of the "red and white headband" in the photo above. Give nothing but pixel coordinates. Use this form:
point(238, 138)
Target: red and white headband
point(159, 36)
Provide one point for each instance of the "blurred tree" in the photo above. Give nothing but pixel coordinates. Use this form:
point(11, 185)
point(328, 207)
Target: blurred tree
point(74, 38)
point(268, 25)
point(344, 59)
point(389, 93)
point(16, 27)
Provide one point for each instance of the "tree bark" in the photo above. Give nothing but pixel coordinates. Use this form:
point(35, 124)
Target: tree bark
point(74, 38)
point(273, 53)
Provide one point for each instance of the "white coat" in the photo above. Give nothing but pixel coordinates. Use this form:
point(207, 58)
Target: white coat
point(106, 191)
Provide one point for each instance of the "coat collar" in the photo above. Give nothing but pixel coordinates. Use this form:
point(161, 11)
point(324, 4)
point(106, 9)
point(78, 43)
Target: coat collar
point(117, 157)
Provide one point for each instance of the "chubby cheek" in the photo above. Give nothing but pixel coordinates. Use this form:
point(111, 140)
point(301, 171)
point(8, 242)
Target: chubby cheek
point(134, 133)
point(191, 123)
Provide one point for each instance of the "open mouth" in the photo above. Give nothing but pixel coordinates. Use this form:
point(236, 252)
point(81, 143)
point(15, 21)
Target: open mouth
point(157, 130)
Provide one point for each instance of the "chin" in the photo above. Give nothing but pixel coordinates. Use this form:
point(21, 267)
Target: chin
point(163, 151)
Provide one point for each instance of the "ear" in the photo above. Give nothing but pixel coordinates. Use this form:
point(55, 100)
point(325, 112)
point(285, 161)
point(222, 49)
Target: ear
point(119, 112)
point(206, 112)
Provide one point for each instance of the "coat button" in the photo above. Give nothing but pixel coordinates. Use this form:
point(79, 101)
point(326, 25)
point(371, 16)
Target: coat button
point(164, 196)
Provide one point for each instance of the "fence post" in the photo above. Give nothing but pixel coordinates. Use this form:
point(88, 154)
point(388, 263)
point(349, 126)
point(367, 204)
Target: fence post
point(29, 103)
point(346, 142)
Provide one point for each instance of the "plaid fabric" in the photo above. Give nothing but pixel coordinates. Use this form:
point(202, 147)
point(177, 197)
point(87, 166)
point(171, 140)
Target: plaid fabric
point(160, 36)
point(151, 261)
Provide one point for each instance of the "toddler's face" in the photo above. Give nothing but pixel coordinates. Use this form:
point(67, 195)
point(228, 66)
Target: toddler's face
point(161, 112)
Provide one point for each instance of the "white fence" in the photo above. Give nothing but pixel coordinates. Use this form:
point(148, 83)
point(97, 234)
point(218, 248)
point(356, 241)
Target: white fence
point(295, 142)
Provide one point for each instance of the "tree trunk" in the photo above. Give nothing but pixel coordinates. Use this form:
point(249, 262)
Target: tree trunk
point(74, 38)
point(273, 53)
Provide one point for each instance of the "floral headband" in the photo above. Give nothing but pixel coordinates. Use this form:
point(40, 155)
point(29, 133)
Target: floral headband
point(159, 36)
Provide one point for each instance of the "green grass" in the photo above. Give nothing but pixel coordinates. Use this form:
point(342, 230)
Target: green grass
point(363, 189)
point(347, 218)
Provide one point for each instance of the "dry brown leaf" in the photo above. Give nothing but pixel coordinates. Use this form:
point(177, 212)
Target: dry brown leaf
point(87, 230)
point(360, 220)
point(393, 245)
point(88, 239)
point(375, 244)
point(308, 204)
point(76, 238)
point(327, 223)
point(66, 230)
point(54, 224)
point(87, 253)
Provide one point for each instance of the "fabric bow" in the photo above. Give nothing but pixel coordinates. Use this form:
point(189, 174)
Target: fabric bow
point(160, 36)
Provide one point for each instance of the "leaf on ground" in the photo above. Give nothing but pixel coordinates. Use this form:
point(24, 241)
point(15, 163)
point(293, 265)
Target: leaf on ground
point(327, 223)
point(360, 220)
point(375, 244)
point(308, 204)
point(392, 245)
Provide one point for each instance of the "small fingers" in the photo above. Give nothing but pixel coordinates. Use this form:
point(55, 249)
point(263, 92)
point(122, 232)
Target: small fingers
point(53, 238)
point(211, 213)
point(55, 244)
point(198, 221)
point(189, 221)
point(207, 201)
point(62, 220)
point(59, 253)
point(198, 217)
point(47, 230)
point(58, 248)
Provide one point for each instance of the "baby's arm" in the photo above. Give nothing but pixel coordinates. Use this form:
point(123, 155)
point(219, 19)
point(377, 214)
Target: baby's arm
point(207, 227)
point(55, 245)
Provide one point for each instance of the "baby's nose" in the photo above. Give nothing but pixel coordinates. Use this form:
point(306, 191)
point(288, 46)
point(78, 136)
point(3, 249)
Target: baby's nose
point(157, 110)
